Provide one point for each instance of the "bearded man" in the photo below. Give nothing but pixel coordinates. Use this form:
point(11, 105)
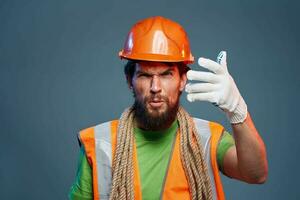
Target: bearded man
point(156, 150)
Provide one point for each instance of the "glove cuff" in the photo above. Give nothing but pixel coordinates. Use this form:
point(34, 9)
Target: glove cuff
point(239, 114)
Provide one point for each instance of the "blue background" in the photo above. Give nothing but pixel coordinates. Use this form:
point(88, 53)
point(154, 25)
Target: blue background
point(59, 73)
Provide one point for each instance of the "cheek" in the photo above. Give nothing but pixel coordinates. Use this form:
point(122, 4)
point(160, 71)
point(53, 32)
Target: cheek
point(175, 96)
point(172, 92)
point(140, 89)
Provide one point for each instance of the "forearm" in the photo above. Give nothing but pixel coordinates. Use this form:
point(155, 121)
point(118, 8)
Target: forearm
point(251, 152)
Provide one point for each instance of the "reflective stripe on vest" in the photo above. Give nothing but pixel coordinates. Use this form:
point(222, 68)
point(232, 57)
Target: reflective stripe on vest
point(103, 159)
point(99, 143)
point(203, 130)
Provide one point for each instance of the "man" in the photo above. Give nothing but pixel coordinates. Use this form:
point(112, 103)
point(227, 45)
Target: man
point(156, 150)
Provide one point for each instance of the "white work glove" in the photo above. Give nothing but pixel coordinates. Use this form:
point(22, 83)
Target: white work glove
point(218, 88)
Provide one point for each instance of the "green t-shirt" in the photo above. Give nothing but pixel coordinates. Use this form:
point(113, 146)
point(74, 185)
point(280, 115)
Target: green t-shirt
point(153, 151)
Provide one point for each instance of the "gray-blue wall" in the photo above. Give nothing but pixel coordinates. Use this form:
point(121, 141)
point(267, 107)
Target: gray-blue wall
point(59, 73)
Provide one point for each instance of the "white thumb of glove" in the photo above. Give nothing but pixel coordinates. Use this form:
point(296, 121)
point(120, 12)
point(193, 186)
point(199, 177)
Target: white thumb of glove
point(231, 101)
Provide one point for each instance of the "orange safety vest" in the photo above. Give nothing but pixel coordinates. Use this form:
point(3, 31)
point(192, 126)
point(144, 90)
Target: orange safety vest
point(100, 142)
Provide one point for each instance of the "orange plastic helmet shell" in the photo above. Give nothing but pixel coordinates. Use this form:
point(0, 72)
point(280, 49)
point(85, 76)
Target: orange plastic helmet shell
point(157, 39)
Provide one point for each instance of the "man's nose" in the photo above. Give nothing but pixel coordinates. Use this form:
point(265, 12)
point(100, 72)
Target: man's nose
point(155, 84)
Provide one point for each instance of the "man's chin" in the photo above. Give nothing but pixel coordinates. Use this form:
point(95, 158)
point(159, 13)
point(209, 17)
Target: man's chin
point(155, 117)
point(156, 112)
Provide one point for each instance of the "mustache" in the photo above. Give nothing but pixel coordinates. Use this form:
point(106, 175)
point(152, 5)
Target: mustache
point(156, 97)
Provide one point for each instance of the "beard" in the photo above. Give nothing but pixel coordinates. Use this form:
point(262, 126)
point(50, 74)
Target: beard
point(154, 119)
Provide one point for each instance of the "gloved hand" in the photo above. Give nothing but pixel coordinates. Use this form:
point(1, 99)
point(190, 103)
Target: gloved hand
point(218, 88)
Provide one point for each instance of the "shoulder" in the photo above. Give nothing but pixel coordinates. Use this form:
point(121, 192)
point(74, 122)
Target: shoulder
point(205, 124)
point(207, 129)
point(89, 132)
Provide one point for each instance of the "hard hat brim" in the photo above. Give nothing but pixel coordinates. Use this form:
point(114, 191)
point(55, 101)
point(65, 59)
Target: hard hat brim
point(155, 57)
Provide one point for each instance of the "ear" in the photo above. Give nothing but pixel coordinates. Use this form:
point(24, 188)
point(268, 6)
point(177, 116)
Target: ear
point(129, 82)
point(183, 80)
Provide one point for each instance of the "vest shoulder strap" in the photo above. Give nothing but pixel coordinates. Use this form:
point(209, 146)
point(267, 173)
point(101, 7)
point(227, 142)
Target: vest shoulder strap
point(210, 133)
point(97, 142)
point(217, 131)
point(87, 139)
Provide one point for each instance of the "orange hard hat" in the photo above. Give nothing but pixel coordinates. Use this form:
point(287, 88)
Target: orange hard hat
point(157, 39)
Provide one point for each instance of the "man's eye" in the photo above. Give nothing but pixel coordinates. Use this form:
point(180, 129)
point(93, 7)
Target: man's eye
point(144, 75)
point(167, 74)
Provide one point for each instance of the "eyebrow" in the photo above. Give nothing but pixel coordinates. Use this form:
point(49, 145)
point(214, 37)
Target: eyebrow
point(164, 72)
